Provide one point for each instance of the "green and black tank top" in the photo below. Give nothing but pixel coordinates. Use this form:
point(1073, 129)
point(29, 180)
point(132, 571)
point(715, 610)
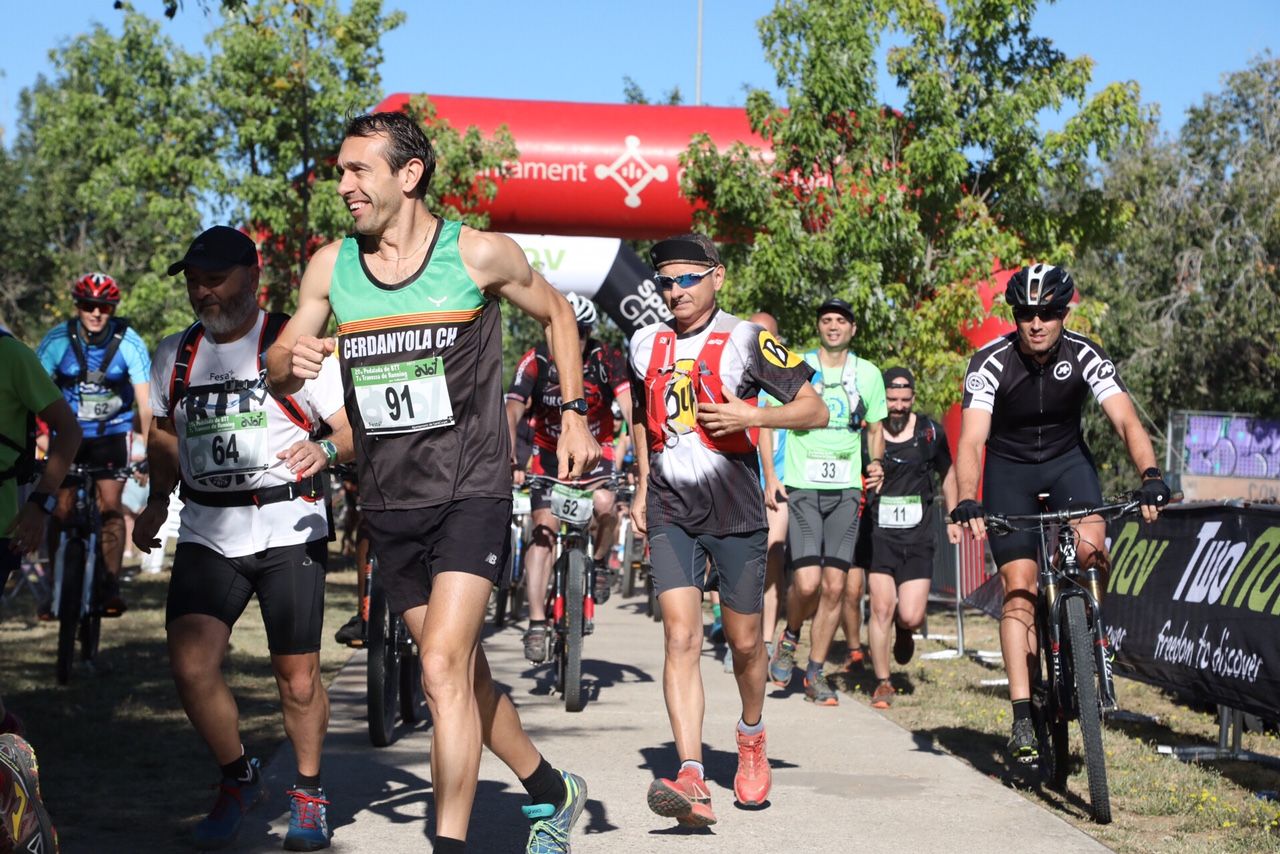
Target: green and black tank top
point(422, 373)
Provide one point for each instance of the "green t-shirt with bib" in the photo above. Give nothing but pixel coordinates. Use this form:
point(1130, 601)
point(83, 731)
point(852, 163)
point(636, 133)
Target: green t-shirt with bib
point(831, 457)
point(24, 388)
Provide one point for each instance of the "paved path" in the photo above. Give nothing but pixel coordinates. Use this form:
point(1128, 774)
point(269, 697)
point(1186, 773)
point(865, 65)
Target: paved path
point(845, 779)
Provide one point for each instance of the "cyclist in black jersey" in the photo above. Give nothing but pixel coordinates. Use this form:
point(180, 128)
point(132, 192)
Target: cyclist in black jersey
point(1023, 398)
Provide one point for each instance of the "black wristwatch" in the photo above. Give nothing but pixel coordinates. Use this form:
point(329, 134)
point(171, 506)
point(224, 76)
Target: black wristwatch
point(46, 501)
point(1153, 473)
point(579, 406)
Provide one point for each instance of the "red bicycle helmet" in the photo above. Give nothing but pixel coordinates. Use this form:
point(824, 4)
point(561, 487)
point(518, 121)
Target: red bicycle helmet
point(96, 287)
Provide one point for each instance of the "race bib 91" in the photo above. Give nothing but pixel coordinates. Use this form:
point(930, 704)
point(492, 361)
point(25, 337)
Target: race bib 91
point(572, 505)
point(404, 397)
point(227, 444)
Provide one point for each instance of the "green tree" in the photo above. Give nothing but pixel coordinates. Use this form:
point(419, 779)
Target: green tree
point(1192, 286)
point(285, 76)
point(114, 153)
point(901, 212)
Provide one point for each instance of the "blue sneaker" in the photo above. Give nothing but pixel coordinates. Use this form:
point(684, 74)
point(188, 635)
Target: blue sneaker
point(717, 630)
point(308, 821)
point(551, 826)
point(235, 798)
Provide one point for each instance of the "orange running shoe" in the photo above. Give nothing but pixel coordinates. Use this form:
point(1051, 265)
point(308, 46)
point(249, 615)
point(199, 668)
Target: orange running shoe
point(754, 778)
point(686, 799)
point(882, 697)
point(856, 659)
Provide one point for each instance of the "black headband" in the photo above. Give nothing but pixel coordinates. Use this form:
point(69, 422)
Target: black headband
point(689, 249)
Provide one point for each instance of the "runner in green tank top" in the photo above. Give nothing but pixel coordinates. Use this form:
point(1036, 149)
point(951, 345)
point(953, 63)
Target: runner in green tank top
point(420, 344)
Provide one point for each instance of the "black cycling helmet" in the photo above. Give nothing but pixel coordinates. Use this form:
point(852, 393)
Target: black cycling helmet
point(1043, 284)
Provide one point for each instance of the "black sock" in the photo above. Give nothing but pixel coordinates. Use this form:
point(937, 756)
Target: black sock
point(306, 781)
point(1021, 710)
point(533, 623)
point(546, 786)
point(446, 845)
point(240, 771)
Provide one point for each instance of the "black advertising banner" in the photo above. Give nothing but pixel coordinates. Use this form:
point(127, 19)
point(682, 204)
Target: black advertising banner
point(1193, 605)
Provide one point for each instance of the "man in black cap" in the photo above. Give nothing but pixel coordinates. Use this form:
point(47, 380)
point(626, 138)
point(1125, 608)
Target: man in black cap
point(903, 527)
point(824, 481)
point(252, 523)
point(695, 380)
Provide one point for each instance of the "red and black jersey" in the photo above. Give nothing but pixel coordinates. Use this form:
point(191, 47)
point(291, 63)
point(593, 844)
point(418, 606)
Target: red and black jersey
point(537, 383)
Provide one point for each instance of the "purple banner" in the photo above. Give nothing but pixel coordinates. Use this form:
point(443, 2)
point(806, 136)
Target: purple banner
point(1232, 446)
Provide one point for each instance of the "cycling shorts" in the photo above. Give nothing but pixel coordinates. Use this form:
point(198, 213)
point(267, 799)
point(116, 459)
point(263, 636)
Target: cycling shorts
point(1012, 488)
point(289, 581)
point(822, 527)
point(103, 452)
point(679, 559)
point(471, 535)
point(544, 463)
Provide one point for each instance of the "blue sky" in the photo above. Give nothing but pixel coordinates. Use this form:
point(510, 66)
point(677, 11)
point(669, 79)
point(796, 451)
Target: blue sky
point(579, 50)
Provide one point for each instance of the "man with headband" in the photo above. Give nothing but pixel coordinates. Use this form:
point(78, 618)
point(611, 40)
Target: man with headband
point(699, 499)
point(903, 528)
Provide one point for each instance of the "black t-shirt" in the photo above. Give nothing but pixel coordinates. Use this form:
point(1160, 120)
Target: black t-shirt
point(909, 467)
point(1036, 408)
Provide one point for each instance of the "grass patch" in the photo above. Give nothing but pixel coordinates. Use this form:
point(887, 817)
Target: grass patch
point(118, 757)
point(1159, 803)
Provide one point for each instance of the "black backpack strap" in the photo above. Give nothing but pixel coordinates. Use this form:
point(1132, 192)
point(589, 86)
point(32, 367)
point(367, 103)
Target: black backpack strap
point(180, 378)
point(120, 325)
point(275, 322)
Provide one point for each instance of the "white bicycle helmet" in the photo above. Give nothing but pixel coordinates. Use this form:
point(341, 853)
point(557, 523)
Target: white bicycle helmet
point(583, 309)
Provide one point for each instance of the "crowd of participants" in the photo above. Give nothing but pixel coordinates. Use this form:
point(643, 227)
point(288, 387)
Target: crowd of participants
point(789, 484)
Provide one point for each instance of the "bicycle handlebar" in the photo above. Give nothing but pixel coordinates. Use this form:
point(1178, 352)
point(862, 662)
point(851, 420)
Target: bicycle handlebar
point(1120, 506)
point(604, 481)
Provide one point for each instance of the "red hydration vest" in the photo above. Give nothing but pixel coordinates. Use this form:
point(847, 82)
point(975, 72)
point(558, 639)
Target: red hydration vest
point(707, 385)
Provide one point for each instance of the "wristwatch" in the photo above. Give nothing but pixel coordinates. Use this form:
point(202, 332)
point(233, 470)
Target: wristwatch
point(330, 450)
point(1153, 473)
point(46, 501)
point(579, 406)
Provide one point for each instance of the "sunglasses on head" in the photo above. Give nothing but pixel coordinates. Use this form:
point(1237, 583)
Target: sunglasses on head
point(91, 307)
point(1024, 313)
point(684, 280)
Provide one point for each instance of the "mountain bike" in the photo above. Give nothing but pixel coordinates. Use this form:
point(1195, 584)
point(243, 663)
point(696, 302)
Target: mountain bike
point(509, 590)
point(79, 587)
point(570, 597)
point(393, 672)
point(1073, 680)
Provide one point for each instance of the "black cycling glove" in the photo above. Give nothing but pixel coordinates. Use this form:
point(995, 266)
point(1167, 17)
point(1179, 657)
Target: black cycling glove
point(966, 511)
point(1154, 492)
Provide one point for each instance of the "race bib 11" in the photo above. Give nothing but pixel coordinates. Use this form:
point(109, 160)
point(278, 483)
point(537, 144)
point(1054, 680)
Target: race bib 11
point(900, 511)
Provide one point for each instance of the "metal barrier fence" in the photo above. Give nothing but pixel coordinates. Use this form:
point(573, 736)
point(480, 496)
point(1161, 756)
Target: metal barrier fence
point(958, 570)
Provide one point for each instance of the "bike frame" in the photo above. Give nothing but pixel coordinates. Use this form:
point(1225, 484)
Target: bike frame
point(85, 523)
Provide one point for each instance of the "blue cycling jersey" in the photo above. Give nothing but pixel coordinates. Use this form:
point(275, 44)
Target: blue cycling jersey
point(104, 409)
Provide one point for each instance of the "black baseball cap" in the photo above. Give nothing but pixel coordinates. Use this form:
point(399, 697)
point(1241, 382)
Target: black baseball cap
point(218, 248)
point(895, 376)
point(839, 306)
point(684, 249)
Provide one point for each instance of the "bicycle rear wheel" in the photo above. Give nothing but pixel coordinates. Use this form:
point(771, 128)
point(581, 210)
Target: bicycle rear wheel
point(631, 553)
point(575, 591)
point(413, 696)
point(73, 556)
point(383, 676)
point(1086, 681)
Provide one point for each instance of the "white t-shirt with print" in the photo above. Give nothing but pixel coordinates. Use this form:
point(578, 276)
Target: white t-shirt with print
point(229, 432)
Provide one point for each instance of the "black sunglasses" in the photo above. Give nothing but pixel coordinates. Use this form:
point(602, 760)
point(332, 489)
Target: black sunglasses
point(91, 307)
point(1024, 313)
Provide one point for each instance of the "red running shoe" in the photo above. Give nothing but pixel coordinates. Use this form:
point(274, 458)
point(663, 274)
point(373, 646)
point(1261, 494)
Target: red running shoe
point(686, 799)
point(754, 778)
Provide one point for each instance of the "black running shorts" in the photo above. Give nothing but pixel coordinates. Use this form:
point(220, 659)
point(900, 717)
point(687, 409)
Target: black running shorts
point(289, 581)
point(471, 535)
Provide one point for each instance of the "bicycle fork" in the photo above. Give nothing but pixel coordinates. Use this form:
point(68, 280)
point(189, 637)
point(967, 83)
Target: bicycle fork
point(1101, 643)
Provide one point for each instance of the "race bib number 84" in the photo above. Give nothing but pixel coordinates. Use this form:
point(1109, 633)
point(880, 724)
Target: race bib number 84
point(404, 397)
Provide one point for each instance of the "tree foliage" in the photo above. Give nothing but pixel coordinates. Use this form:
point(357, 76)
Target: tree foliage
point(1192, 287)
point(114, 153)
point(285, 77)
point(901, 212)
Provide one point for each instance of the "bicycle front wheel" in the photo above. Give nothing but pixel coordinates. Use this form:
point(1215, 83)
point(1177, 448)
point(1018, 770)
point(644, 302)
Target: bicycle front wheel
point(73, 558)
point(575, 592)
point(383, 676)
point(1086, 679)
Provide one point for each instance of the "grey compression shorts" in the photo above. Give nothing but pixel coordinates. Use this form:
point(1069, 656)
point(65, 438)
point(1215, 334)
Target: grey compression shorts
point(679, 559)
point(822, 526)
